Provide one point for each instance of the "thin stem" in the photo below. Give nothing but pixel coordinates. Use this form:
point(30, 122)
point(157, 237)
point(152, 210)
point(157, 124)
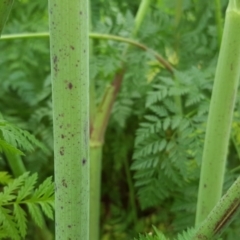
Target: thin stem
point(25, 35)
point(235, 169)
point(98, 36)
point(136, 44)
point(104, 110)
point(220, 115)
point(105, 107)
point(16, 164)
point(141, 13)
point(95, 189)
point(95, 163)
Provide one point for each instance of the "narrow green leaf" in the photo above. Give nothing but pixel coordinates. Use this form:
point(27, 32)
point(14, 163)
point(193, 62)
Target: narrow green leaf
point(28, 186)
point(47, 209)
point(36, 214)
point(45, 190)
point(7, 220)
point(9, 192)
point(21, 220)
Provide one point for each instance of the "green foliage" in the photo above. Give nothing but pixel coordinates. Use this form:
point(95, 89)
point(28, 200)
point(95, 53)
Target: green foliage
point(14, 138)
point(5, 178)
point(19, 194)
point(25, 93)
point(157, 235)
point(169, 140)
point(158, 120)
point(167, 113)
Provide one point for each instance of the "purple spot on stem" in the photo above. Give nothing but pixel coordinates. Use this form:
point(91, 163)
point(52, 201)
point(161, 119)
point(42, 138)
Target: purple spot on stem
point(64, 183)
point(61, 151)
point(70, 86)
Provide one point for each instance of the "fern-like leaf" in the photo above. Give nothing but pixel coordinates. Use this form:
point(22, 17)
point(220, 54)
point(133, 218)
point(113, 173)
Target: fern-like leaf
point(36, 214)
point(19, 192)
point(20, 216)
point(9, 191)
point(8, 223)
point(27, 188)
point(14, 138)
point(5, 178)
point(186, 235)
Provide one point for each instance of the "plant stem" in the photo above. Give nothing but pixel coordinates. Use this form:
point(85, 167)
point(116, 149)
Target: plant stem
point(222, 214)
point(164, 62)
point(70, 86)
point(95, 187)
point(220, 114)
point(218, 17)
point(101, 122)
point(97, 139)
point(95, 163)
point(5, 8)
point(141, 13)
point(16, 164)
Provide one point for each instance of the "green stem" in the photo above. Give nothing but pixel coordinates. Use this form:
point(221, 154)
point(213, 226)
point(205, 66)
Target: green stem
point(220, 114)
point(222, 214)
point(98, 36)
point(95, 187)
point(235, 169)
point(141, 13)
point(95, 163)
point(218, 17)
point(16, 164)
point(104, 110)
point(103, 116)
point(5, 8)
point(97, 139)
point(70, 92)
point(24, 35)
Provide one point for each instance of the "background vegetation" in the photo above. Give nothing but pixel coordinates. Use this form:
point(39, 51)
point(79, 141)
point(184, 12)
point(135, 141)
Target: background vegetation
point(153, 145)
